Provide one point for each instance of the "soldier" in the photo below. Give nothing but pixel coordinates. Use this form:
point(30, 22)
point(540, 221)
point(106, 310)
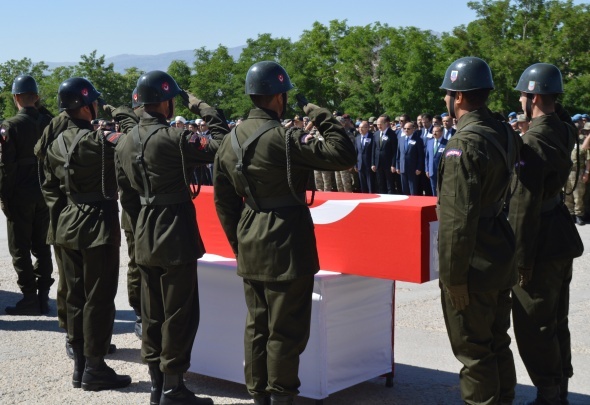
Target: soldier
point(476, 244)
point(262, 188)
point(27, 217)
point(81, 193)
point(546, 237)
point(133, 272)
point(154, 163)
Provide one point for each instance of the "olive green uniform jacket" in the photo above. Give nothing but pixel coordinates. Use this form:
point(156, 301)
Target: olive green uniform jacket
point(276, 244)
point(165, 234)
point(19, 178)
point(545, 165)
point(87, 225)
point(476, 247)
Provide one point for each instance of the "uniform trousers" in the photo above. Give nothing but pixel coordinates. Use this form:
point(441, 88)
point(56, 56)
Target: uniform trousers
point(27, 228)
point(541, 328)
point(479, 339)
point(277, 331)
point(92, 277)
point(344, 181)
point(170, 315)
point(133, 274)
point(62, 290)
point(575, 200)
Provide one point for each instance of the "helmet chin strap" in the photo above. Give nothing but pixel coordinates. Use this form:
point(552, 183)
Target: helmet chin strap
point(452, 104)
point(284, 106)
point(170, 109)
point(93, 111)
point(529, 105)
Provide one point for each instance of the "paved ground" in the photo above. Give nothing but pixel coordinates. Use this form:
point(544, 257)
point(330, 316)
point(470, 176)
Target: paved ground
point(35, 370)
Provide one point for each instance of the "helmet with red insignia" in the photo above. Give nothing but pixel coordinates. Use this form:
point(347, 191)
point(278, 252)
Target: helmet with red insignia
point(468, 74)
point(267, 78)
point(156, 87)
point(134, 99)
point(541, 78)
point(76, 92)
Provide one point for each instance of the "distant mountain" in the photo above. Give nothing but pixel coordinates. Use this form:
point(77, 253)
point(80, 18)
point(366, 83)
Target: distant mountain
point(150, 62)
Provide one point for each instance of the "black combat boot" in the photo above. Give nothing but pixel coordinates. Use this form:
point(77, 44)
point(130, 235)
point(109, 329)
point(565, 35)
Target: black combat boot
point(44, 301)
point(28, 305)
point(175, 392)
point(263, 400)
point(281, 399)
point(79, 366)
point(98, 376)
point(546, 396)
point(157, 378)
point(563, 391)
point(138, 328)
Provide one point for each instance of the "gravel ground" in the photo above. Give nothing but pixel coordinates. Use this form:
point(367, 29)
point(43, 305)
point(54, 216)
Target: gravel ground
point(35, 369)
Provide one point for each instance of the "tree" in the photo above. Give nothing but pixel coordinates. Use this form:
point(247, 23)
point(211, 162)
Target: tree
point(213, 80)
point(8, 72)
point(181, 73)
point(411, 71)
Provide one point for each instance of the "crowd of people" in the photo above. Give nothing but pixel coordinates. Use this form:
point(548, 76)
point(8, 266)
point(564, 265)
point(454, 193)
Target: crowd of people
point(493, 261)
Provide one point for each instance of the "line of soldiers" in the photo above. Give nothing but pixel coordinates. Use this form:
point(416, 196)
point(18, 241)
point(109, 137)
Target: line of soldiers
point(149, 166)
point(260, 175)
point(492, 264)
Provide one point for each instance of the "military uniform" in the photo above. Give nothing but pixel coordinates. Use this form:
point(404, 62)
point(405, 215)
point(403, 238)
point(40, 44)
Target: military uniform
point(547, 242)
point(57, 125)
point(85, 223)
point(574, 197)
point(476, 248)
point(167, 239)
point(271, 233)
point(27, 217)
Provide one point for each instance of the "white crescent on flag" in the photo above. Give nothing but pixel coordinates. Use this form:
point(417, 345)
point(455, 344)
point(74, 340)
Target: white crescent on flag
point(334, 210)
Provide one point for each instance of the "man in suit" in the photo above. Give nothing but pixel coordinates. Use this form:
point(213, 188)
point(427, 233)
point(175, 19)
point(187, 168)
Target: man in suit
point(425, 133)
point(448, 129)
point(410, 159)
point(434, 150)
point(363, 144)
point(384, 153)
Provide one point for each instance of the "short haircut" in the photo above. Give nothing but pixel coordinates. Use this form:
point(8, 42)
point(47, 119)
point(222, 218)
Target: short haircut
point(27, 98)
point(477, 98)
point(385, 117)
point(427, 116)
point(261, 100)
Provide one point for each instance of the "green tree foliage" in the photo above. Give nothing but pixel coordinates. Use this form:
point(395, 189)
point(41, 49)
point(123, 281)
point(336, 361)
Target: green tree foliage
point(8, 72)
point(181, 72)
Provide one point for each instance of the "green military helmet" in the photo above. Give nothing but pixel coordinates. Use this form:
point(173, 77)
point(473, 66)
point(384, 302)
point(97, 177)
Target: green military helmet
point(267, 78)
point(155, 87)
point(540, 78)
point(76, 92)
point(24, 84)
point(467, 74)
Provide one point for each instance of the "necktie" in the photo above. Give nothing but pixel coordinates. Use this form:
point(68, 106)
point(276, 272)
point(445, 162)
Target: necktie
point(435, 145)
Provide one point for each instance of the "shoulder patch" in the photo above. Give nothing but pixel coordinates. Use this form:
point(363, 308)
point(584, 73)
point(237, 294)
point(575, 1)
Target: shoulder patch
point(453, 153)
point(112, 137)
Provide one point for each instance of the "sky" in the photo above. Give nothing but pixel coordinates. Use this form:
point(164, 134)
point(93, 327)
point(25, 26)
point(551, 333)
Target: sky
point(62, 31)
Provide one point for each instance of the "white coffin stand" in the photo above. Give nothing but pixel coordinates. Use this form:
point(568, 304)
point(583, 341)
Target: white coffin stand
point(351, 336)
